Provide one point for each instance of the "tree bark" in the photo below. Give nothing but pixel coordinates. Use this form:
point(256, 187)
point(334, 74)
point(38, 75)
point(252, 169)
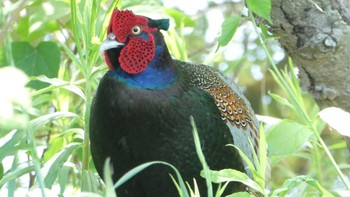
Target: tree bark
point(316, 35)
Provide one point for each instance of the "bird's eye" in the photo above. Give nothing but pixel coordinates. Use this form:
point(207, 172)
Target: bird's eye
point(136, 30)
point(111, 36)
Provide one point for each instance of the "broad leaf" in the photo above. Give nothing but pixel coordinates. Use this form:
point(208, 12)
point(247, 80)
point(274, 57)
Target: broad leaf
point(287, 137)
point(42, 60)
point(261, 8)
point(228, 29)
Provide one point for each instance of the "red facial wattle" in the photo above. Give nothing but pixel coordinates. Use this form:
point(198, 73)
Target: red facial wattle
point(138, 51)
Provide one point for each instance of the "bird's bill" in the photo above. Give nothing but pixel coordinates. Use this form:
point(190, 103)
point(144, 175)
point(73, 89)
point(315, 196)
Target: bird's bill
point(110, 43)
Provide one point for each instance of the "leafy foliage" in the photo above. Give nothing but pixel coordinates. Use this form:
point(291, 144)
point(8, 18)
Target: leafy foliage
point(228, 29)
point(292, 140)
point(42, 60)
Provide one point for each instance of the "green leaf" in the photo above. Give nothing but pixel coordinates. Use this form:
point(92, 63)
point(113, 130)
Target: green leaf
point(228, 175)
point(107, 177)
point(287, 137)
point(220, 190)
point(143, 166)
point(63, 179)
point(201, 157)
point(42, 60)
point(193, 192)
point(55, 82)
point(89, 182)
point(20, 171)
point(42, 120)
point(1, 170)
point(54, 165)
point(266, 34)
point(281, 100)
point(127, 176)
point(23, 27)
point(261, 8)
point(249, 163)
point(241, 194)
point(264, 169)
point(176, 45)
point(181, 19)
point(3, 58)
point(13, 145)
point(228, 29)
point(55, 145)
point(289, 184)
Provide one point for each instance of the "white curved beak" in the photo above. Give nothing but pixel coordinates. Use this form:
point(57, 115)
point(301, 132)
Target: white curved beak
point(110, 43)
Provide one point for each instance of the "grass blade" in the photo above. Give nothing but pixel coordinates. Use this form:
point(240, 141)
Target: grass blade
point(201, 157)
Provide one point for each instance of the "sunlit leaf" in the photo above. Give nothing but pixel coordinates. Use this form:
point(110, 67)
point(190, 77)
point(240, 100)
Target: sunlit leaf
point(261, 8)
point(14, 144)
point(42, 120)
point(228, 175)
point(287, 137)
point(281, 100)
point(338, 119)
point(228, 29)
point(20, 171)
point(61, 83)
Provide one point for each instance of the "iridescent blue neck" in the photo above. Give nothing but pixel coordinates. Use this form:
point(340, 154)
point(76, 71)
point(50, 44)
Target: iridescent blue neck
point(159, 74)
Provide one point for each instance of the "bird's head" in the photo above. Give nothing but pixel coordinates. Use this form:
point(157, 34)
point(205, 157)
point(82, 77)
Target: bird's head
point(130, 41)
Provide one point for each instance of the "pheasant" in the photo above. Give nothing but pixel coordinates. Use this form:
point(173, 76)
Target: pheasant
point(141, 111)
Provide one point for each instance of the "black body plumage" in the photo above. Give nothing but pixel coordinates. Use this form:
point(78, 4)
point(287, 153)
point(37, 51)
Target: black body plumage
point(133, 125)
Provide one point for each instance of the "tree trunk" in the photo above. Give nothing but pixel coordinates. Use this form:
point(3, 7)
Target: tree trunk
point(316, 34)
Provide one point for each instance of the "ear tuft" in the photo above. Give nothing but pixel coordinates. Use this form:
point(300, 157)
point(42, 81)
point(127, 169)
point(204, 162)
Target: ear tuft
point(160, 24)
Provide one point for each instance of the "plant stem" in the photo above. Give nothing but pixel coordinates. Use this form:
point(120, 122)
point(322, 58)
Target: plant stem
point(36, 159)
point(302, 110)
point(86, 142)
